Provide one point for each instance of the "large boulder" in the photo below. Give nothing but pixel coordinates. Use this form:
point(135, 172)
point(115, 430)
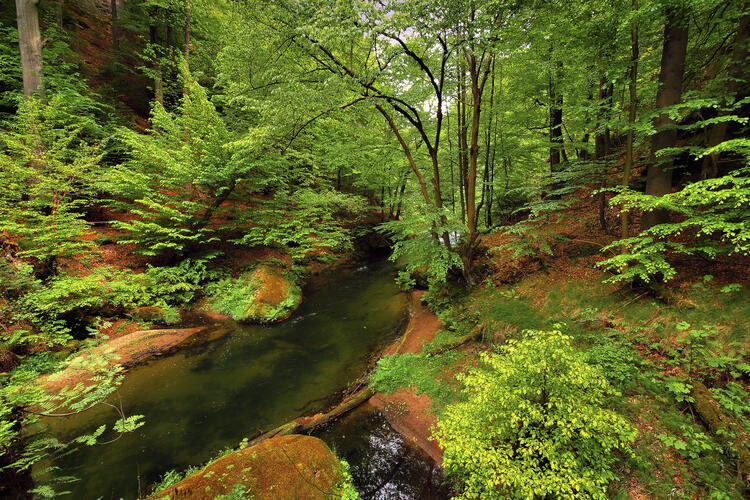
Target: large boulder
point(280, 468)
point(264, 295)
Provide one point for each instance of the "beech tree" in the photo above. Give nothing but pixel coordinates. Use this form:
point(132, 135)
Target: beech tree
point(30, 44)
point(659, 179)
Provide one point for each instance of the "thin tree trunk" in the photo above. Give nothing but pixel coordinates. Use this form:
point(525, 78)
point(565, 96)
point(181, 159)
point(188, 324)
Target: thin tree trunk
point(115, 28)
point(450, 156)
point(187, 33)
point(30, 45)
point(382, 203)
point(401, 195)
point(632, 109)
point(659, 178)
point(488, 144)
point(158, 84)
point(59, 11)
point(555, 127)
point(462, 160)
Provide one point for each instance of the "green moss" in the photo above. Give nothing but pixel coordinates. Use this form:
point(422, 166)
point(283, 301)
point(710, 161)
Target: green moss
point(263, 295)
point(425, 374)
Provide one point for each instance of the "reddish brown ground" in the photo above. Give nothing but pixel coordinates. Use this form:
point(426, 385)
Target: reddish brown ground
point(280, 468)
point(119, 328)
point(421, 328)
point(409, 413)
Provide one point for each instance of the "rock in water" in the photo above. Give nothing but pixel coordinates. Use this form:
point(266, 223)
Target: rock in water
point(263, 295)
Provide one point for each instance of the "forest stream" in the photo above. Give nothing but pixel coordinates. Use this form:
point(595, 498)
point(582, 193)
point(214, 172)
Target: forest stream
point(208, 397)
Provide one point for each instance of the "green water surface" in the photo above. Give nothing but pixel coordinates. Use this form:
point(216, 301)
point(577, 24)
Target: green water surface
point(211, 396)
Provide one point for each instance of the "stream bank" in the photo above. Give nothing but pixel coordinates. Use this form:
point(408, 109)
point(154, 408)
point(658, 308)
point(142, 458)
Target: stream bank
point(209, 396)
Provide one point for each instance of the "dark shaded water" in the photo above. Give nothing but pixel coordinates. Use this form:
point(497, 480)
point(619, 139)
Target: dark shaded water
point(211, 396)
point(384, 465)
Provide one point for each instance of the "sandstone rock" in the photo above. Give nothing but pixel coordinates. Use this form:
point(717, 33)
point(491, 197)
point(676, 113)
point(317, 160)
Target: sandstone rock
point(280, 468)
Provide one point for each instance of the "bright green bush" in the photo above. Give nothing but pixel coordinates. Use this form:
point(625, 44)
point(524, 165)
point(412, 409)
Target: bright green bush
point(713, 222)
point(46, 155)
point(535, 424)
point(306, 224)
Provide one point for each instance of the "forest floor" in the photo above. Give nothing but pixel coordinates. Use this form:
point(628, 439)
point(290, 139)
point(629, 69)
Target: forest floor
point(653, 347)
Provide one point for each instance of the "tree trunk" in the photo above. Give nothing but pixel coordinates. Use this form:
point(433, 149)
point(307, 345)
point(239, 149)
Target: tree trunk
point(30, 45)
point(659, 179)
point(115, 29)
point(450, 156)
point(487, 146)
point(462, 139)
point(401, 194)
point(478, 77)
point(555, 126)
point(738, 73)
point(59, 11)
point(187, 33)
point(632, 109)
point(158, 85)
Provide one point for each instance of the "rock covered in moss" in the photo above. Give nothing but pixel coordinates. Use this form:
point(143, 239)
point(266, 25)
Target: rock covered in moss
point(284, 467)
point(264, 295)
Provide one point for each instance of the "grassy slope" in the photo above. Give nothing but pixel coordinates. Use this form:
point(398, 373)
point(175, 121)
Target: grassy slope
point(642, 342)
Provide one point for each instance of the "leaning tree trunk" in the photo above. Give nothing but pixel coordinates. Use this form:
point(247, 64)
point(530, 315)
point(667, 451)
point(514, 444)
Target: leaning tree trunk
point(659, 179)
point(30, 45)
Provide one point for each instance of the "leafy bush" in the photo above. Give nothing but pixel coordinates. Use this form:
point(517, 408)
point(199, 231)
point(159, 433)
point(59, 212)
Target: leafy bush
point(178, 174)
point(47, 304)
point(416, 244)
point(306, 224)
point(714, 217)
point(47, 156)
point(534, 425)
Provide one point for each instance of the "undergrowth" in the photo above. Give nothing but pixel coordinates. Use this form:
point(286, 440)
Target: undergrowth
point(648, 350)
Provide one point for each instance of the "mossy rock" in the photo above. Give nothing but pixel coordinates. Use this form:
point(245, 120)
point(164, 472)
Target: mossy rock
point(280, 468)
point(263, 295)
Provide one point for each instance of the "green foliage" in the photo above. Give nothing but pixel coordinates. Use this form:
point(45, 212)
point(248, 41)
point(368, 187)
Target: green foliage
point(24, 400)
point(734, 399)
point(47, 305)
point(239, 297)
point(47, 159)
point(175, 174)
point(713, 212)
point(424, 373)
point(306, 223)
point(346, 488)
point(535, 424)
point(419, 243)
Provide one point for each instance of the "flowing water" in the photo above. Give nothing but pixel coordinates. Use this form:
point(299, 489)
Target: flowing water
point(384, 465)
point(210, 396)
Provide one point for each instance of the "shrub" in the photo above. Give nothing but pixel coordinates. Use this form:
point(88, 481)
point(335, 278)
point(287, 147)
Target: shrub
point(534, 424)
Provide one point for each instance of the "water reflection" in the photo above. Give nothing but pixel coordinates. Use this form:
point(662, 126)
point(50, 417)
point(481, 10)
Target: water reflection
point(384, 465)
